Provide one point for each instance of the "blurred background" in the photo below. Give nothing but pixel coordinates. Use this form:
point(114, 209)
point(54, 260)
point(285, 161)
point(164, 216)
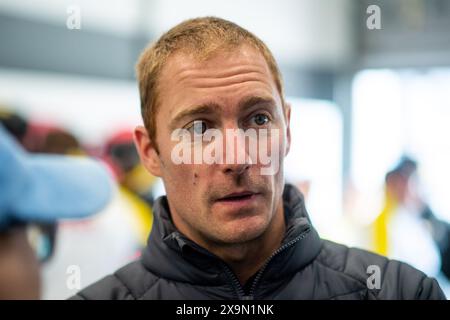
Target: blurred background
point(370, 94)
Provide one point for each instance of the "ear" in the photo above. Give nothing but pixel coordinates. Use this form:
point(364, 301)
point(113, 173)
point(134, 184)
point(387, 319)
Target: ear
point(287, 115)
point(147, 151)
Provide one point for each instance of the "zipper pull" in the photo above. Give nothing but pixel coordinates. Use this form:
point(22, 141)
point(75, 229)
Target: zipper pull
point(247, 298)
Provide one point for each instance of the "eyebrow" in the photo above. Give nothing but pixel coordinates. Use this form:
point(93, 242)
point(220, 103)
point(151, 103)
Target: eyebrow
point(256, 100)
point(203, 109)
point(212, 107)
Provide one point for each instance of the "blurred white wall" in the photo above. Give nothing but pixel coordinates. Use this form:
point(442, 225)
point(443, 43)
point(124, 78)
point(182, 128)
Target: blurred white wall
point(299, 32)
point(90, 108)
point(315, 158)
point(118, 16)
point(396, 112)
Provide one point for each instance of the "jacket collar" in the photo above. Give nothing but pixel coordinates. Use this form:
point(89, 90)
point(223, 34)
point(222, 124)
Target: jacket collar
point(172, 256)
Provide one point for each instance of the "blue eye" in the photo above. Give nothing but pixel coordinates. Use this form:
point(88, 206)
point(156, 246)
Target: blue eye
point(260, 119)
point(199, 127)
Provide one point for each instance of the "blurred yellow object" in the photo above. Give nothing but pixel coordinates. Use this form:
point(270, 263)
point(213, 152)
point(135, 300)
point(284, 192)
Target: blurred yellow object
point(138, 179)
point(142, 213)
point(380, 226)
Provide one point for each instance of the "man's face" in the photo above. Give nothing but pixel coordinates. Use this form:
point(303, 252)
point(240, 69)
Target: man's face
point(224, 203)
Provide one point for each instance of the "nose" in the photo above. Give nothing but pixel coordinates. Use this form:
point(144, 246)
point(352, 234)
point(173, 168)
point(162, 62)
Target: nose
point(235, 169)
point(236, 156)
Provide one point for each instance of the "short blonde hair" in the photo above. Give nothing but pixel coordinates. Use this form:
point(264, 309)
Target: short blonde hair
point(201, 38)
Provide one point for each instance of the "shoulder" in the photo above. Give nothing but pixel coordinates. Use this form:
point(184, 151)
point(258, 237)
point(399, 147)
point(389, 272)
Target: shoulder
point(376, 276)
point(130, 282)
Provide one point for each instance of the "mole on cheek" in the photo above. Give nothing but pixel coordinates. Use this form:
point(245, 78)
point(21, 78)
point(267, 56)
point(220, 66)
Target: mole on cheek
point(195, 178)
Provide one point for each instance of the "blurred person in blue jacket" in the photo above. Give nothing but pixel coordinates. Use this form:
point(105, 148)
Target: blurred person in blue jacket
point(114, 236)
point(36, 190)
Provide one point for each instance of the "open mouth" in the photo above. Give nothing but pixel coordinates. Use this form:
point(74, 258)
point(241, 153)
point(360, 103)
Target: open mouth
point(238, 196)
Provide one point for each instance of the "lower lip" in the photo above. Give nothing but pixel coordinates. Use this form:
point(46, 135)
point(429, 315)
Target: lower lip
point(240, 202)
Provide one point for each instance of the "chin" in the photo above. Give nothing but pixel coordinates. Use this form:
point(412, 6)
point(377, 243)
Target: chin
point(244, 231)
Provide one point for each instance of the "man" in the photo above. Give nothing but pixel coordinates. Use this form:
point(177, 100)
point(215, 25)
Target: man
point(232, 229)
point(406, 211)
point(36, 190)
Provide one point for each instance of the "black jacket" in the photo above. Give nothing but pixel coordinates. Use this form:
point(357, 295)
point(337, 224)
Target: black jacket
point(304, 267)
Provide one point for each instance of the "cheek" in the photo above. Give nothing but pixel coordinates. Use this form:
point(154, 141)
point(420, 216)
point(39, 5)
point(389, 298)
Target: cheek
point(182, 177)
point(273, 150)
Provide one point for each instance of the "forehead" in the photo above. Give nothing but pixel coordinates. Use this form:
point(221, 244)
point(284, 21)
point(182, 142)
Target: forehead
point(225, 78)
